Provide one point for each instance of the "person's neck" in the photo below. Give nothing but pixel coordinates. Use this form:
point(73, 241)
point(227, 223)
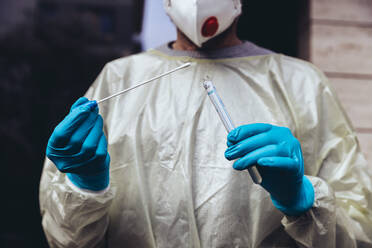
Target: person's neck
point(225, 39)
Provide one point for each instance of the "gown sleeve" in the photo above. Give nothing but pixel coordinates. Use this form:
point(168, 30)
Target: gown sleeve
point(342, 212)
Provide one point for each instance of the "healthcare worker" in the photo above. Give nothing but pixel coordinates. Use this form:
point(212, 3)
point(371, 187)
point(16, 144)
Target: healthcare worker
point(151, 168)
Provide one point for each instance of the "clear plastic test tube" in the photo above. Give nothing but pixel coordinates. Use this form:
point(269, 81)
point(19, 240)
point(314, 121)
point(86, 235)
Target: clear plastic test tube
point(226, 120)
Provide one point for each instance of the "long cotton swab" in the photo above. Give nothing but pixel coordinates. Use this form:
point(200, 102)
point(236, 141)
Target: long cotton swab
point(145, 82)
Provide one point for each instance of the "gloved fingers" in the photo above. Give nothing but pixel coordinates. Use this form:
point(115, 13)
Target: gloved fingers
point(93, 105)
point(283, 163)
point(78, 153)
point(81, 133)
point(79, 102)
point(251, 158)
point(79, 148)
point(100, 157)
point(88, 163)
point(75, 135)
point(92, 140)
point(62, 133)
point(243, 132)
point(102, 147)
point(83, 101)
point(103, 164)
point(229, 143)
point(247, 145)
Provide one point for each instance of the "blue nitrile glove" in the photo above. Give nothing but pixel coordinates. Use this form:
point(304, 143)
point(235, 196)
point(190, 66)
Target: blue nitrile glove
point(278, 156)
point(78, 147)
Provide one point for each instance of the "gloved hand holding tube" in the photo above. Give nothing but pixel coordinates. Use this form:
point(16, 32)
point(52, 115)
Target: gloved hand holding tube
point(78, 147)
point(227, 122)
point(279, 158)
point(277, 154)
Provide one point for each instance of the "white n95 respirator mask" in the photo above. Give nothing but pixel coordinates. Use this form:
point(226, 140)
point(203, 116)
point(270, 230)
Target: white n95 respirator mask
point(201, 20)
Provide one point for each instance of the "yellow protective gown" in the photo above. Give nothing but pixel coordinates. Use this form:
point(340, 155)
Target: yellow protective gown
point(170, 183)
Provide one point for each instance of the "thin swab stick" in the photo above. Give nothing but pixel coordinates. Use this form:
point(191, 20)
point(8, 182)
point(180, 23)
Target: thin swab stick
point(143, 83)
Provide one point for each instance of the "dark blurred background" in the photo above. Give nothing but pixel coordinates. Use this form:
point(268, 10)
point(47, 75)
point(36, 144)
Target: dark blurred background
point(50, 53)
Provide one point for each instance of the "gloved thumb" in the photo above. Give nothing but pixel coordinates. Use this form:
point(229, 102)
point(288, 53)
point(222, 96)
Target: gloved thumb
point(83, 101)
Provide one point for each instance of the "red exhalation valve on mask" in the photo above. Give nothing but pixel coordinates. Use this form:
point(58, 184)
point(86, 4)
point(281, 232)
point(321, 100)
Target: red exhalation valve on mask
point(210, 27)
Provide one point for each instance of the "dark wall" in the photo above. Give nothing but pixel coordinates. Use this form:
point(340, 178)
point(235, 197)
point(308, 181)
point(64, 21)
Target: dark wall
point(36, 85)
point(277, 25)
point(47, 61)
